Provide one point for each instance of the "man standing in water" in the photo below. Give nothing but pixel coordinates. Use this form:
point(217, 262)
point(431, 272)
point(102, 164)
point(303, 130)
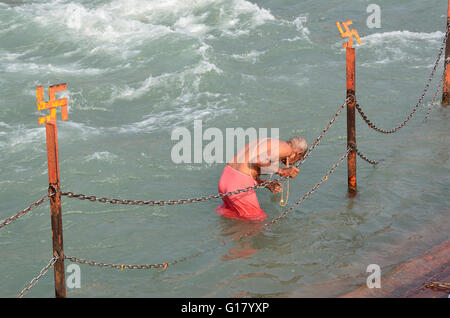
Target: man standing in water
point(261, 156)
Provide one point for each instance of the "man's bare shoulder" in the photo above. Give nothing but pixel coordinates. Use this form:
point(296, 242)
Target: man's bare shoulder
point(284, 149)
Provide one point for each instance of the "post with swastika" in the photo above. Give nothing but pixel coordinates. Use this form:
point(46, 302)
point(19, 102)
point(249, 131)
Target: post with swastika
point(351, 102)
point(446, 84)
point(53, 178)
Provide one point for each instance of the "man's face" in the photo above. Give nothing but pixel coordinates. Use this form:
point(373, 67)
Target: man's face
point(295, 156)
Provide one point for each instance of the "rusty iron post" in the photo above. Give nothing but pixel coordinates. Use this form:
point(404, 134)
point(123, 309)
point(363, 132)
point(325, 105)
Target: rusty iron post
point(54, 179)
point(351, 101)
point(446, 84)
point(351, 127)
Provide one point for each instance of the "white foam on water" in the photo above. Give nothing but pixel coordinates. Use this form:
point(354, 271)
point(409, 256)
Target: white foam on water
point(251, 56)
point(18, 137)
point(35, 68)
point(124, 21)
point(164, 80)
point(181, 115)
point(383, 38)
point(101, 156)
point(171, 119)
point(395, 46)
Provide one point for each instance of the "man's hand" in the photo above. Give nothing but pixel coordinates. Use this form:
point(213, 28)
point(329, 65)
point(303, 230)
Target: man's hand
point(274, 187)
point(290, 172)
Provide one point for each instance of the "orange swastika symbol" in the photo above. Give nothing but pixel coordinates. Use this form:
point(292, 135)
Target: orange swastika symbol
point(348, 33)
point(52, 103)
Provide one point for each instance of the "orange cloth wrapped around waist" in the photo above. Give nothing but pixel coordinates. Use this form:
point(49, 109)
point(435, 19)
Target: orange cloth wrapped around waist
point(245, 205)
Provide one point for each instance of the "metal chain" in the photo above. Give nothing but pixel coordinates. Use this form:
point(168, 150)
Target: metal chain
point(427, 86)
point(163, 265)
point(94, 198)
point(324, 131)
point(35, 280)
point(21, 213)
point(373, 162)
point(440, 86)
point(445, 287)
point(330, 172)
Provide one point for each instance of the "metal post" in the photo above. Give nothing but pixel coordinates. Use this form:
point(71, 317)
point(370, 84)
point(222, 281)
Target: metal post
point(55, 208)
point(446, 85)
point(351, 129)
point(54, 181)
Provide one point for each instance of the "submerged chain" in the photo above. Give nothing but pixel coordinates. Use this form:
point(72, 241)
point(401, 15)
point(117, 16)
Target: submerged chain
point(162, 265)
point(427, 86)
point(21, 213)
point(36, 279)
point(372, 162)
point(309, 193)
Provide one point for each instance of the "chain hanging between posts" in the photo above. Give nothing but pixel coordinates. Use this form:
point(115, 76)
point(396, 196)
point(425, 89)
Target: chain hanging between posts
point(21, 213)
point(439, 88)
point(427, 86)
point(324, 131)
point(36, 279)
point(164, 265)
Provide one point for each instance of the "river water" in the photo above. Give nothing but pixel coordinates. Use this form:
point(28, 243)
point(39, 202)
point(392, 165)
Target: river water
point(136, 70)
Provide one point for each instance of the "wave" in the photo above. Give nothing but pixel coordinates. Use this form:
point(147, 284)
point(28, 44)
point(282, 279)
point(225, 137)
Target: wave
point(129, 93)
point(378, 39)
point(397, 46)
point(129, 20)
point(101, 156)
point(35, 68)
point(182, 115)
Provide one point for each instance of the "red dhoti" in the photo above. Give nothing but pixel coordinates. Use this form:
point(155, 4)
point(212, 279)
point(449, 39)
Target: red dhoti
point(245, 205)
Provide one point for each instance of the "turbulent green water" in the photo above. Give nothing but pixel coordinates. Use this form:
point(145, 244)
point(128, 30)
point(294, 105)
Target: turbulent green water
point(137, 69)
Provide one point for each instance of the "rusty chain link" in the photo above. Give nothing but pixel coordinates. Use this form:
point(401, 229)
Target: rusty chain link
point(445, 287)
point(35, 280)
point(427, 86)
point(373, 162)
point(21, 213)
point(440, 86)
point(162, 265)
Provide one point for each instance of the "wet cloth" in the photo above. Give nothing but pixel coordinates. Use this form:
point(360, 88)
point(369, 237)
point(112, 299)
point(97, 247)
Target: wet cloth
point(245, 205)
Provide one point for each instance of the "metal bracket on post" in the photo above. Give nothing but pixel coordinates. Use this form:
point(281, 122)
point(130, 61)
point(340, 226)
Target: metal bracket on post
point(53, 177)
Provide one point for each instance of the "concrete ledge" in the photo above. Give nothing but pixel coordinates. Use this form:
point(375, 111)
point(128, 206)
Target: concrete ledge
point(408, 279)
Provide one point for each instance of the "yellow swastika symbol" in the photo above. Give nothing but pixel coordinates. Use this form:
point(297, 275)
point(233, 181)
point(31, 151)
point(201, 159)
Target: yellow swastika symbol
point(348, 33)
point(52, 103)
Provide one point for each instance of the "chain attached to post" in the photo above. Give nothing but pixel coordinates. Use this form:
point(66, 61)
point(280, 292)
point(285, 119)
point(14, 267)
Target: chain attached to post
point(21, 213)
point(419, 102)
point(36, 279)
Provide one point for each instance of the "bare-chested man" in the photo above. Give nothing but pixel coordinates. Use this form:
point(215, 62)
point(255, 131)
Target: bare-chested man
point(258, 157)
